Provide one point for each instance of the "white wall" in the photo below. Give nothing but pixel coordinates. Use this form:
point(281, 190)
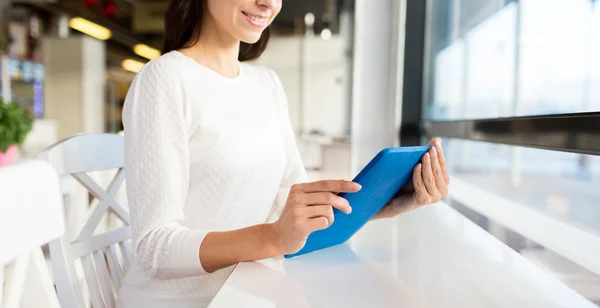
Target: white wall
point(94, 84)
point(377, 88)
point(283, 56)
point(313, 81)
point(74, 92)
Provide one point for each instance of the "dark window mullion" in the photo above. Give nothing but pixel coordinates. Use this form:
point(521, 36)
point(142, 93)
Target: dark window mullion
point(576, 132)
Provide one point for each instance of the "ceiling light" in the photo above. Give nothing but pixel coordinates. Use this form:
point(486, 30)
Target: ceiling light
point(309, 19)
point(132, 65)
point(326, 34)
point(146, 51)
point(90, 28)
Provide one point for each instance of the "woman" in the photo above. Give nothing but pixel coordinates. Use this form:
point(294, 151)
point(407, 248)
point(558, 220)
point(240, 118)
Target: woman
point(213, 173)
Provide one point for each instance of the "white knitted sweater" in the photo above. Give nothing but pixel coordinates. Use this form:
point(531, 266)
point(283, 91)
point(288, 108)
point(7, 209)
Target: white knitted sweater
point(202, 153)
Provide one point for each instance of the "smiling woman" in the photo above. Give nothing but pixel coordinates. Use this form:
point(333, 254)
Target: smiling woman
point(214, 175)
point(240, 19)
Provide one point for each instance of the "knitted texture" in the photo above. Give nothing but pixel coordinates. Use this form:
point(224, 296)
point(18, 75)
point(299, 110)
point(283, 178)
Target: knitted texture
point(202, 153)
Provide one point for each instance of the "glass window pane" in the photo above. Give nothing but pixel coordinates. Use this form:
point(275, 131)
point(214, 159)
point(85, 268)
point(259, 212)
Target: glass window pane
point(543, 204)
point(527, 57)
point(558, 184)
point(495, 59)
point(554, 56)
point(490, 66)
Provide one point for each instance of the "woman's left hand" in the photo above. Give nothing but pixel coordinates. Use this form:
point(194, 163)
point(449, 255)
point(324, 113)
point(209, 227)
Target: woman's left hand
point(430, 183)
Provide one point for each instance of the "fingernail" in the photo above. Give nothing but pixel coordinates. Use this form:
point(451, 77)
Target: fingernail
point(356, 186)
point(426, 158)
point(349, 210)
point(433, 151)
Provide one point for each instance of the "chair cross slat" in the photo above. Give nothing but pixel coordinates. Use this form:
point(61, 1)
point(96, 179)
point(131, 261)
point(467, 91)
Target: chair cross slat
point(115, 267)
point(116, 182)
point(91, 277)
point(95, 218)
point(93, 221)
point(103, 269)
point(105, 281)
point(96, 191)
point(82, 248)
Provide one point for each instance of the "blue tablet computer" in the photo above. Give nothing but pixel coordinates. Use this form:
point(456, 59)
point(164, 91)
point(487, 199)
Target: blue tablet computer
point(386, 174)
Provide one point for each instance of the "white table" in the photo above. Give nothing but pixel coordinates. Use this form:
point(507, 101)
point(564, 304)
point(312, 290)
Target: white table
point(31, 215)
point(433, 257)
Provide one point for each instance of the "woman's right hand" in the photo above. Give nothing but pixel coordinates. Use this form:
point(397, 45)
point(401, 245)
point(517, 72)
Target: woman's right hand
point(309, 208)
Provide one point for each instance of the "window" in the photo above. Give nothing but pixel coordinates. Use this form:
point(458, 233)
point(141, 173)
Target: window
point(514, 89)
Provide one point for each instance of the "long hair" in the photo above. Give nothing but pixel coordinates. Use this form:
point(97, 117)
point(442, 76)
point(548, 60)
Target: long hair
point(183, 20)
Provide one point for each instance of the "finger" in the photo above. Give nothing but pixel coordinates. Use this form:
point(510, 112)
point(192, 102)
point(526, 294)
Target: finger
point(336, 186)
point(434, 141)
point(421, 195)
point(442, 160)
point(318, 223)
point(428, 176)
point(320, 210)
point(328, 198)
point(437, 173)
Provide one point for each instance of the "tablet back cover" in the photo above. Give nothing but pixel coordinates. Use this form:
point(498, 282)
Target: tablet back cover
point(386, 174)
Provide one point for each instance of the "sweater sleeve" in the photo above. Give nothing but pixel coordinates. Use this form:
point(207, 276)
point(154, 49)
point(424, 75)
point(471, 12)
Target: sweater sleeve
point(157, 169)
point(295, 172)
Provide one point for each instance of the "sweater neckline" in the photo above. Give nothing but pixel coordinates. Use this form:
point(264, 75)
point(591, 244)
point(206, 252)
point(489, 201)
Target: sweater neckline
point(213, 72)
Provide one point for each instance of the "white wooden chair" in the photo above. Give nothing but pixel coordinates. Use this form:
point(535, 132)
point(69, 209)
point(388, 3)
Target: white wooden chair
point(105, 256)
point(31, 215)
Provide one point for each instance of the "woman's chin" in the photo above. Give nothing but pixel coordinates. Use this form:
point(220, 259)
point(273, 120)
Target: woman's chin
point(251, 38)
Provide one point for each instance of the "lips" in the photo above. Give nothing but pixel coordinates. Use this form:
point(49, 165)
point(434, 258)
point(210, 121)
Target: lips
point(256, 19)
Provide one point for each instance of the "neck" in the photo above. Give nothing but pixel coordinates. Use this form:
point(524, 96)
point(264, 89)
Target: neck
point(216, 50)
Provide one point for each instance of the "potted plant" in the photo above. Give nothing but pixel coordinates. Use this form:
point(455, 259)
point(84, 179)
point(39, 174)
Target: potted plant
point(15, 123)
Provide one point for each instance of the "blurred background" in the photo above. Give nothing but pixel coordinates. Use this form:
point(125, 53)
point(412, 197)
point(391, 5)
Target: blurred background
point(512, 87)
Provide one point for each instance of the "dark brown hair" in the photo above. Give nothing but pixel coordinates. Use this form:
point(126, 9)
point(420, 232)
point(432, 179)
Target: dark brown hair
point(183, 20)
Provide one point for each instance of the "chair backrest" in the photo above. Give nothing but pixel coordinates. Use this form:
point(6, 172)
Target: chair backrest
point(105, 257)
point(31, 215)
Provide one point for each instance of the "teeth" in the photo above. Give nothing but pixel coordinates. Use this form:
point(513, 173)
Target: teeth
point(256, 18)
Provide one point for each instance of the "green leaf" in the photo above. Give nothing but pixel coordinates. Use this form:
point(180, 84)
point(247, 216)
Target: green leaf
point(15, 123)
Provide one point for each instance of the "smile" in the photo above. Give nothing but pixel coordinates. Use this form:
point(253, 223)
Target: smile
point(256, 20)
